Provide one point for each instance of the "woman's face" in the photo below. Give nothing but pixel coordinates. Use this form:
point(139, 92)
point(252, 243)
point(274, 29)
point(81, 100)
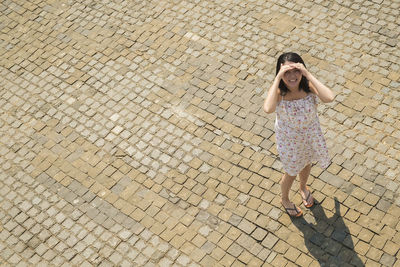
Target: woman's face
point(292, 77)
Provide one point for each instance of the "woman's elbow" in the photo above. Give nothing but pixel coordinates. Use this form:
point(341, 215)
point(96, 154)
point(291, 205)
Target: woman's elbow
point(330, 98)
point(268, 109)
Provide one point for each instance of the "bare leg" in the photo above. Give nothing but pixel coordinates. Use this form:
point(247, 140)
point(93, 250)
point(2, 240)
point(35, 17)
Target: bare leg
point(286, 184)
point(303, 175)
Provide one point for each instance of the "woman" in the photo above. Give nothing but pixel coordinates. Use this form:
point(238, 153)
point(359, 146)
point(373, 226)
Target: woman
point(293, 95)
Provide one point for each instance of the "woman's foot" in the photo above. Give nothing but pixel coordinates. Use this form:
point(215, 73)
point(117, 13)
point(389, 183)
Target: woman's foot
point(308, 199)
point(291, 209)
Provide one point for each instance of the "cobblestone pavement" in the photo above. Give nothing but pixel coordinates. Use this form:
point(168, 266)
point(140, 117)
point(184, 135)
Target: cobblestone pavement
point(132, 133)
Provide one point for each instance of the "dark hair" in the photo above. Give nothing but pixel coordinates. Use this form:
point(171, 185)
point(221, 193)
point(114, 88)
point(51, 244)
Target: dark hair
point(293, 57)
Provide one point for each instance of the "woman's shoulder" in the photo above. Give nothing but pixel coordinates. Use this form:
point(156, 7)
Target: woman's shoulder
point(279, 96)
point(313, 90)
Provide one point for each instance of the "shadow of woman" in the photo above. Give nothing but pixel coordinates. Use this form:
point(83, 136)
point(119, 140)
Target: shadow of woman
point(328, 240)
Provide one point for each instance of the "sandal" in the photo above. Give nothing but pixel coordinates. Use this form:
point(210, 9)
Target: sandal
point(306, 200)
point(298, 214)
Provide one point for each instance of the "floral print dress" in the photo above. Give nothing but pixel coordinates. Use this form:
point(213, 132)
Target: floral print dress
point(298, 134)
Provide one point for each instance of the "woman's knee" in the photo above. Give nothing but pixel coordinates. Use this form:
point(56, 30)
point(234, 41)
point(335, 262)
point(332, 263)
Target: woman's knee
point(289, 177)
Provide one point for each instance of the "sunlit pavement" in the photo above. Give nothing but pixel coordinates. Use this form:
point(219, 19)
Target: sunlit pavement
point(132, 133)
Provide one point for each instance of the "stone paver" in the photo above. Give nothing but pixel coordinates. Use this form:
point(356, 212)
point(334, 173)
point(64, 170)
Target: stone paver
point(132, 133)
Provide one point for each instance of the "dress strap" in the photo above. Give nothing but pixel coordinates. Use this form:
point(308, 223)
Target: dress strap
point(315, 100)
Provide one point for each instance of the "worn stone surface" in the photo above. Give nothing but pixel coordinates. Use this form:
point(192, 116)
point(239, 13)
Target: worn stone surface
point(132, 133)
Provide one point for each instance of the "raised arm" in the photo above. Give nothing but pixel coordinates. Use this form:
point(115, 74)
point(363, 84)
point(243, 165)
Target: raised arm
point(324, 93)
point(273, 93)
point(272, 97)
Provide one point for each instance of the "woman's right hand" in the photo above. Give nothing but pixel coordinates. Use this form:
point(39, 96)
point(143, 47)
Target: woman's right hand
point(283, 69)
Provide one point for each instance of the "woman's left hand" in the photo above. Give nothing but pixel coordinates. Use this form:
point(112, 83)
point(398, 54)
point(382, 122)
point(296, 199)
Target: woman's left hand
point(302, 69)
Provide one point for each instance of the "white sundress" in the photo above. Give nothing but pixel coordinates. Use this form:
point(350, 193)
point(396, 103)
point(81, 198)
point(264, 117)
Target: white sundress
point(298, 134)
